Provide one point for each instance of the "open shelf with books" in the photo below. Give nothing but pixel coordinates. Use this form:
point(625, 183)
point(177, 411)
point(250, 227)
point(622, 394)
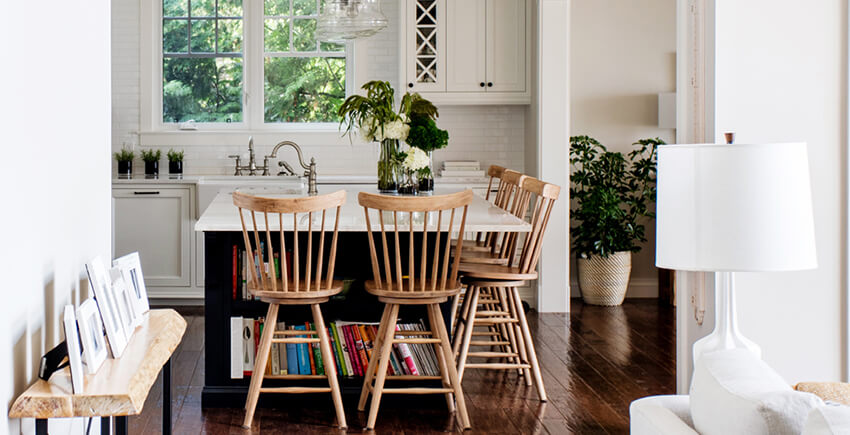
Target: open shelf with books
point(234, 322)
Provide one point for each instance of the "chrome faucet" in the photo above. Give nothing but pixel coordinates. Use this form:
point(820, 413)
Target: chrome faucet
point(310, 172)
point(252, 163)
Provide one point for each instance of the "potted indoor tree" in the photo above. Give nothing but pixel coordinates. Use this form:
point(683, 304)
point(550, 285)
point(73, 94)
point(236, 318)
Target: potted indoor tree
point(151, 159)
point(611, 193)
point(125, 162)
point(175, 162)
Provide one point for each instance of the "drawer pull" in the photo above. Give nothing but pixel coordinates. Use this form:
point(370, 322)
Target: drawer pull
point(147, 193)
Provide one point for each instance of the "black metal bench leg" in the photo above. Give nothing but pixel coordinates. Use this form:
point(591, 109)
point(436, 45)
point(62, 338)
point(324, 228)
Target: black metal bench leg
point(121, 427)
point(166, 398)
point(41, 426)
point(105, 426)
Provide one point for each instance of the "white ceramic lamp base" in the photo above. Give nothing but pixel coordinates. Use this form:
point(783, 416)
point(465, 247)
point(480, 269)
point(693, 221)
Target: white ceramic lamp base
point(726, 334)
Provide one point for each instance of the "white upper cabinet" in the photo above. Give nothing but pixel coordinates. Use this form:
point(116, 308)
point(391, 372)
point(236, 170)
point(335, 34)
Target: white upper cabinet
point(466, 25)
point(506, 52)
point(467, 52)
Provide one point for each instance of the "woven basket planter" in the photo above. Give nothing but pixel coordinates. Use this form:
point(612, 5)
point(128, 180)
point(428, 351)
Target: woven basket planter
point(604, 281)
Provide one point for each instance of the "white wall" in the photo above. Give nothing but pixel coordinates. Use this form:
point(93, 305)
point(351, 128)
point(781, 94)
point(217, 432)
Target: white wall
point(56, 212)
point(491, 134)
point(622, 55)
point(780, 75)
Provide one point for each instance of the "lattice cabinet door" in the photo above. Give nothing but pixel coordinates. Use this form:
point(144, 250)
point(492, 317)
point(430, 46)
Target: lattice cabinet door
point(425, 48)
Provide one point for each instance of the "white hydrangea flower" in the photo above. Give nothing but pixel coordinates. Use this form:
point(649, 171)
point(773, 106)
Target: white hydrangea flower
point(395, 130)
point(416, 159)
point(365, 128)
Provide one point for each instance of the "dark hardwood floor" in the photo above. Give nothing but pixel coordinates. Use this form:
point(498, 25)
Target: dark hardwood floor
point(595, 361)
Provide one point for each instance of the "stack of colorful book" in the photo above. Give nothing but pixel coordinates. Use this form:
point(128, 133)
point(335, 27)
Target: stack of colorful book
point(240, 269)
point(351, 343)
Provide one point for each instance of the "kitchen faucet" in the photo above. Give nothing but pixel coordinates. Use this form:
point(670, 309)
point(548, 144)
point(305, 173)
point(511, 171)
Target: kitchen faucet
point(252, 167)
point(310, 172)
point(252, 164)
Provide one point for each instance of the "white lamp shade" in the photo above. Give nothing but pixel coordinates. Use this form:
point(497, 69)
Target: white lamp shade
point(734, 208)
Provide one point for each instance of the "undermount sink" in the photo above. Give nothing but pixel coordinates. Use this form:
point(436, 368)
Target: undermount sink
point(210, 186)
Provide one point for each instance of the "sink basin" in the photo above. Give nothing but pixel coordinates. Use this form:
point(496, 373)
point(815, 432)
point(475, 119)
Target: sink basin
point(210, 186)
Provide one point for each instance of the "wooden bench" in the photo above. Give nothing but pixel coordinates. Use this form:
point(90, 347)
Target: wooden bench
point(120, 386)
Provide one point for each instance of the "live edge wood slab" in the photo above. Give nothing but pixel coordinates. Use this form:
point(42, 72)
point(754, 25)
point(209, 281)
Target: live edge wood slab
point(121, 385)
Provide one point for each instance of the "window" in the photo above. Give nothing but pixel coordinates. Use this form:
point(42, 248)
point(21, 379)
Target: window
point(304, 79)
point(202, 60)
point(216, 54)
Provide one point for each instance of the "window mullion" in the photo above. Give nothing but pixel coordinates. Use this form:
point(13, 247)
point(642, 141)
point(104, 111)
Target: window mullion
point(253, 25)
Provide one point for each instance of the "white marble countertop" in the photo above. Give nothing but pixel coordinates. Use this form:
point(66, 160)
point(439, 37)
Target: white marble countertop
point(222, 215)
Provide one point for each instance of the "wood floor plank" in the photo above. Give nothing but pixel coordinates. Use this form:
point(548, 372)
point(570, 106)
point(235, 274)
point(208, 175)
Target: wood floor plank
point(594, 362)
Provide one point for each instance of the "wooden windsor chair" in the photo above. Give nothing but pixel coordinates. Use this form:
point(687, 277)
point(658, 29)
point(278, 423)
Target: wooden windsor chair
point(502, 246)
point(505, 279)
point(479, 243)
point(428, 276)
point(312, 287)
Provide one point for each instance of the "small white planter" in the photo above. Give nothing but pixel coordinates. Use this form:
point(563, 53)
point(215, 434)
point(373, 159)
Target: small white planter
point(604, 281)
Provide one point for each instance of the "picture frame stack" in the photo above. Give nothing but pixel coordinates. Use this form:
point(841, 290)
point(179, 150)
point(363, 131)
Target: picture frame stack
point(118, 308)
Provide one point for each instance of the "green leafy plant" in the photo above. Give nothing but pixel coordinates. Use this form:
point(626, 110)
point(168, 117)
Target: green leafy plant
point(125, 155)
point(174, 156)
point(425, 135)
point(611, 193)
point(151, 155)
point(374, 114)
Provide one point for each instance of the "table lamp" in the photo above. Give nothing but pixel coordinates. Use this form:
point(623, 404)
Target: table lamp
point(733, 208)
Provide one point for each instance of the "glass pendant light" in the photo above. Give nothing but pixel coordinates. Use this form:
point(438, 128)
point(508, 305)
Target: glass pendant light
point(342, 20)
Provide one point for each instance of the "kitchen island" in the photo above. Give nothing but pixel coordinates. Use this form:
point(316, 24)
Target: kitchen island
point(222, 231)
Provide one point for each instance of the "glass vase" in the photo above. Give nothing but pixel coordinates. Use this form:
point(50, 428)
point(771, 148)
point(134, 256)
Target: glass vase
point(426, 176)
point(408, 184)
point(388, 166)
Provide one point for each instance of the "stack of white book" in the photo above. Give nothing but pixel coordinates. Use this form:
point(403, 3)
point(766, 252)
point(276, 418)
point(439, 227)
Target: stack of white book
point(461, 169)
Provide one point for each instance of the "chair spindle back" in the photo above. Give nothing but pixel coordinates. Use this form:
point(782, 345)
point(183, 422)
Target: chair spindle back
point(435, 271)
point(259, 242)
point(545, 195)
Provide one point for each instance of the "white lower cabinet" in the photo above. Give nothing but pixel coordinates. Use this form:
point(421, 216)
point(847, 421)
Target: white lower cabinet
point(157, 220)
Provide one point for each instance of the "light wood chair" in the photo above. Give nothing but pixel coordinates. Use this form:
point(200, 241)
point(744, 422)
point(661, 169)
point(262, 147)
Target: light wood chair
point(312, 288)
point(426, 223)
point(479, 243)
point(504, 280)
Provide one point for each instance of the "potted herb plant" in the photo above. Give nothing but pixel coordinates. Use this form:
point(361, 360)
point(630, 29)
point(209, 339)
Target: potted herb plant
point(151, 159)
point(125, 162)
point(611, 193)
point(376, 120)
point(175, 161)
point(426, 136)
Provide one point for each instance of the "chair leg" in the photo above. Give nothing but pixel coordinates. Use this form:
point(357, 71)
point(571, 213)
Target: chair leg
point(453, 318)
point(381, 374)
point(330, 365)
point(262, 359)
point(441, 359)
point(467, 332)
point(507, 306)
point(453, 375)
point(529, 344)
point(373, 362)
point(520, 342)
point(462, 321)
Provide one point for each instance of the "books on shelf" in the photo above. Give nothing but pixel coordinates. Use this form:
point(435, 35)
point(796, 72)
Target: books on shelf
point(352, 345)
point(241, 263)
point(461, 168)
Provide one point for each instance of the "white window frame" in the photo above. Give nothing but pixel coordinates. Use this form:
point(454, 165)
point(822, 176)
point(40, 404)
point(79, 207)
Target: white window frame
point(154, 131)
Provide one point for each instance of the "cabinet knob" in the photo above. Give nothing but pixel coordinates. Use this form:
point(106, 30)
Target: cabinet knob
point(410, 85)
point(481, 84)
point(489, 84)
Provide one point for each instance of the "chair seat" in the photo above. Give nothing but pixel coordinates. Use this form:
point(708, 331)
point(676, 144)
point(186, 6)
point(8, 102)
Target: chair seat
point(494, 271)
point(407, 293)
point(291, 294)
point(477, 257)
point(472, 246)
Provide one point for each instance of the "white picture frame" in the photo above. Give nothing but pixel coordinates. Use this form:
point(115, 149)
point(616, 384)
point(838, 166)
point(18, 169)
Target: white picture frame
point(91, 333)
point(131, 268)
point(72, 341)
point(124, 301)
point(102, 286)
